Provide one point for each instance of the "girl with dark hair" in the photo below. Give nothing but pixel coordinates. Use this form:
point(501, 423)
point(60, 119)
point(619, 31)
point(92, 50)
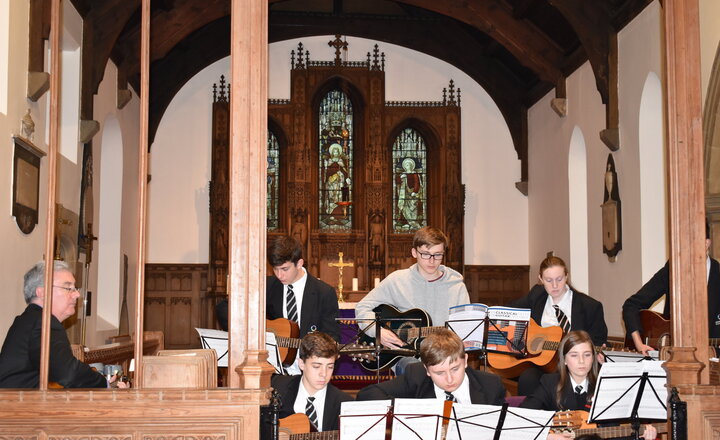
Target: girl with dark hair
point(573, 386)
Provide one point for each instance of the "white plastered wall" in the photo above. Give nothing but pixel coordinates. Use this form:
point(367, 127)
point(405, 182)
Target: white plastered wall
point(639, 54)
point(178, 217)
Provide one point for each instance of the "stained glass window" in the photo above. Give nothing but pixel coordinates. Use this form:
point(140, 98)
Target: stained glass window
point(336, 161)
point(273, 181)
point(409, 154)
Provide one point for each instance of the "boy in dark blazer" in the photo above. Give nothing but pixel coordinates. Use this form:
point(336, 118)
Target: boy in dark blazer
point(293, 293)
point(312, 393)
point(443, 374)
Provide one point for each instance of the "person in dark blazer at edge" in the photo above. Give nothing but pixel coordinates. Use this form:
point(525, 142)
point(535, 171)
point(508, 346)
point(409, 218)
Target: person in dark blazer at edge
point(311, 393)
point(555, 302)
point(659, 286)
point(442, 374)
point(572, 387)
point(293, 293)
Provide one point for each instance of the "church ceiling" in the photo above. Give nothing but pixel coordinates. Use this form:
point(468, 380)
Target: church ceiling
point(517, 50)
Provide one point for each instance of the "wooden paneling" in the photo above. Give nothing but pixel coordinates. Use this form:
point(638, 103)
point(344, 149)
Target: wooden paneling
point(174, 302)
point(131, 414)
point(496, 285)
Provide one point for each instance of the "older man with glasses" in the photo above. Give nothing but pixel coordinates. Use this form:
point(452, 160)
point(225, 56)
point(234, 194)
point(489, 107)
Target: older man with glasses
point(20, 355)
point(427, 285)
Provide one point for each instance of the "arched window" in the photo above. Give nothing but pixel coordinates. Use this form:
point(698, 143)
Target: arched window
point(409, 181)
point(273, 181)
point(336, 161)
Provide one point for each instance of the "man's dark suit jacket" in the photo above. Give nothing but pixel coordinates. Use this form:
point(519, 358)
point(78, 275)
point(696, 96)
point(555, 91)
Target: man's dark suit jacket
point(587, 313)
point(485, 388)
point(544, 396)
point(20, 356)
point(318, 311)
point(658, 286)
point(319, 306)
point(288, 387)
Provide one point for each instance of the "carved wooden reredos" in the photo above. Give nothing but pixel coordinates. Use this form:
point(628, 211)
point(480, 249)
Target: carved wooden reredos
point(359, 208)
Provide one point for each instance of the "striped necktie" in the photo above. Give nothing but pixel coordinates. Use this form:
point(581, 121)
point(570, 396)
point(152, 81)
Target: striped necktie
point(291, 304)
point(562, 319)
point(449, 396)
point(310, 411)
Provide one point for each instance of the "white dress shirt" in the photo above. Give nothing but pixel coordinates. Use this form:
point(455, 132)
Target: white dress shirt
point(301, 401)
point(462, 394)
point(298, 290)
point(549, 318)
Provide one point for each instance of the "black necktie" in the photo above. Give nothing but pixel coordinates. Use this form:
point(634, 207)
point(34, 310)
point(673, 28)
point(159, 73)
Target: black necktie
point(449, 396)
point(310, 411)
point(562, 319)
point(579, 389)
point(292, 314)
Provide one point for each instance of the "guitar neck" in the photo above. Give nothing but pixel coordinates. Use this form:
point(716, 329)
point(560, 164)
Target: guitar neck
point(616, 431)
point(282, 341)
point(422, 332)
point(326, 435)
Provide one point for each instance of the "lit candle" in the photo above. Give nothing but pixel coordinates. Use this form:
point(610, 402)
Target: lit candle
point(377, 282)
point(355, 285)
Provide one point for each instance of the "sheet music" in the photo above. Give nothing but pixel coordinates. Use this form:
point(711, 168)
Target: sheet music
point(366, 419)
point(526, 424)
point(507, 330)
point(618, 387)
point(417, 419)
point(273, 352)
point(216, 340)
point(468, 322)
point(473, 421)
point(628, 356)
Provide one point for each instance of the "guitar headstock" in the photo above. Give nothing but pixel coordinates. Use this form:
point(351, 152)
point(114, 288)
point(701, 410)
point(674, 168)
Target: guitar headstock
point(360, 351)
point(566, 421)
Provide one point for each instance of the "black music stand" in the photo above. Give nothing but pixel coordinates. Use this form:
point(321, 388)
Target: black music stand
point(624, 394)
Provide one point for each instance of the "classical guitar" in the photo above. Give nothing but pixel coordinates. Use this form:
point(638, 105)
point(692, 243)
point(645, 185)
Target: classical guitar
point(286, 335)
point(298, 427)
point(542, 346)
point(410, 326)
point(575, 424)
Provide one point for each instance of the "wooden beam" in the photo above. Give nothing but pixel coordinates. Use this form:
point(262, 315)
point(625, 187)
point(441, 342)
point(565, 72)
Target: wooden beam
point(101, 29)
point(522, 39)
point(247, 365)
point(688, 281)
point(599, 38)
point(53, 149)
point(142, 187)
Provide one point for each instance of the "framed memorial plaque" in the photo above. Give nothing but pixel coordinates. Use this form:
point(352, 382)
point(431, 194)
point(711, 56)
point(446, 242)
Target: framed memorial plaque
point(26, 184)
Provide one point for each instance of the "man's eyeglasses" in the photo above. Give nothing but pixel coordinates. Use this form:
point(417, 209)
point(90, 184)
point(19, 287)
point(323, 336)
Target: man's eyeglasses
point(426, 256)
point(68, 289)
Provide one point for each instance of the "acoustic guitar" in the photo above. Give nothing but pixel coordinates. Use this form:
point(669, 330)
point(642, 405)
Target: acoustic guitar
point(542, 346)
point(286, 335)
point(298, 427)
point(410, 326)
point(575, 424)
point(656, 331)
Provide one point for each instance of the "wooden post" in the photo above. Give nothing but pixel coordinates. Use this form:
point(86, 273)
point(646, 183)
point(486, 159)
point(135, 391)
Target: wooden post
point(248, 367)
point(688, 279)
point(55, 27)
point(142, 186)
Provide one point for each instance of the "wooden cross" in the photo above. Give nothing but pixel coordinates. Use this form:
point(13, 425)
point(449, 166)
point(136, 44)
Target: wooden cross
point(340, 265)
point(339, 44)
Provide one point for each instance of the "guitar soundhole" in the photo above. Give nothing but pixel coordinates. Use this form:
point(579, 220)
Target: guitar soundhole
point(535, 345)
point(404, 329)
